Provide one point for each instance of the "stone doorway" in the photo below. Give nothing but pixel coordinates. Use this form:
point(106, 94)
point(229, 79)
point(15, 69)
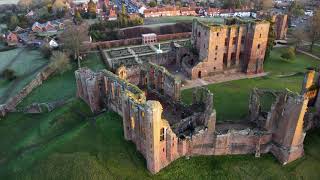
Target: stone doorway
point(199, 74)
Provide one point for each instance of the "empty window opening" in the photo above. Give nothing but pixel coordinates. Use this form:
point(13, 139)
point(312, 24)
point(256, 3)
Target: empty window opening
point(161, 134)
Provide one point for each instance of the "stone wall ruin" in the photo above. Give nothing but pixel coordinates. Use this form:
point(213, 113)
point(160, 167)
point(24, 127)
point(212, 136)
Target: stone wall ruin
point(164, 129)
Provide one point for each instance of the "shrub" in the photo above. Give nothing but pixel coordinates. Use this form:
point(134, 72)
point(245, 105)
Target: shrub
point(289, 54)
point(60, 62)
point(46, 51)
point(9, 74)
point(152, 3)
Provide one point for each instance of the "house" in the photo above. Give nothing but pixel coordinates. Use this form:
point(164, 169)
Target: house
point(12, 39)
point(53, 44)
point(58, 25)
point(37, 27)
point(112, 14)
point(19, 30)
point(48, 26)
point(30, 14)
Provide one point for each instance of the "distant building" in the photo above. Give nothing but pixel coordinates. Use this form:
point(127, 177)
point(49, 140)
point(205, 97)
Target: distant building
point(48, 26)
point(12, 39)
point(280, 22)
point(150, 38)
point(112, 14)
point(36, 27)
point(53, 44)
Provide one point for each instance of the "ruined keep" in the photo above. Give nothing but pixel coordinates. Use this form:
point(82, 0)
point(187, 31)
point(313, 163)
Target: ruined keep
point(164, 129)
point(238, 45)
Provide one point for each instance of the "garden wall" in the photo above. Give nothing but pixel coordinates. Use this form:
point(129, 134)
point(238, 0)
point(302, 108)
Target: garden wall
point(133, 41)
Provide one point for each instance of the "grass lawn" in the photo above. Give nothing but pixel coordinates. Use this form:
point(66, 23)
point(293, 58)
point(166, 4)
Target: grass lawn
point(231, 98)
point(61, 86)
point(26, 64)
point(64, 145)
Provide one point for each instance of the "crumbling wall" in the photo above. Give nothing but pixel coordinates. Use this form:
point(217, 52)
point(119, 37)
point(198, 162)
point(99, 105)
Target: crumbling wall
point(157, 78)
point(133, 75)
point(88, 88)
point(11, 103)
point(245, 141)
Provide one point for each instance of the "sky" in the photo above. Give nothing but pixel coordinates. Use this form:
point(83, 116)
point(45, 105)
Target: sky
point(8, 1)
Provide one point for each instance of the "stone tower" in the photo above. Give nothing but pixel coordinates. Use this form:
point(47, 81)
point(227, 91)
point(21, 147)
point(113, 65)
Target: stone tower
point(289, 136)
point(153, 145)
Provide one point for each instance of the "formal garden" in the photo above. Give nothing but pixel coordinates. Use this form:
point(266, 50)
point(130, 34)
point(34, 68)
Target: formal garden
point(71, 143)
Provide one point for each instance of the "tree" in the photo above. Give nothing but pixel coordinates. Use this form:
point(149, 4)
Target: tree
point(25, 3)
point(78, 17)
point(72, 39)
point(314, 29)
point(46, 50)
point(9, 74)
point(152, 3)
point(59, 5)
point(92, 9)
point(267, 4)
point(271, 39)
point(263, 4)
point(60, 62)
point(299, 36)
point(14, 21)
point(289, 54)
point(166, 1)
point(232, 3)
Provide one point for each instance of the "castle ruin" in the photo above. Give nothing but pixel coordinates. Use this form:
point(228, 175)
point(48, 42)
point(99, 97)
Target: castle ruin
point(164, 129)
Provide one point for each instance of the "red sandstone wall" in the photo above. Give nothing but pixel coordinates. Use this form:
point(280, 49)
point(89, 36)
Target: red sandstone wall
point(14, 101)
point(134, 41)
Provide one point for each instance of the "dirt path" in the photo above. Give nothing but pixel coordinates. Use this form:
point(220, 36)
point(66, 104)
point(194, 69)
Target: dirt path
point(308, 54)
point(213, 80)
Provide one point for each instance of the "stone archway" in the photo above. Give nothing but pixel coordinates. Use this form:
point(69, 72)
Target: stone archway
point(199, 75)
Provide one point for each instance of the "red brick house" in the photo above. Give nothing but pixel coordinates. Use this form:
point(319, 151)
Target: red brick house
point(12, 39)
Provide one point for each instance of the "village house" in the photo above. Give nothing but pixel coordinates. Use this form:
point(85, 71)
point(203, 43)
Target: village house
point(12, 39)
point(48, 26)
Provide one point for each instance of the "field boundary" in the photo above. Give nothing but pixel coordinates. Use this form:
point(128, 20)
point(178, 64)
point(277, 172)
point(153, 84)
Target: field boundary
point(12, 102)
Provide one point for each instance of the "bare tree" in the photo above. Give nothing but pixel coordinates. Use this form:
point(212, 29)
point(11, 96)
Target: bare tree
point(73, 38)
point(314, 28)
point(299, 36)
point(60, 62)
point(263, 4)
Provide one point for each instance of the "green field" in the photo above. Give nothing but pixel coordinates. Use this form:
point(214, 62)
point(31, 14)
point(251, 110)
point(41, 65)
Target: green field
point(26, 64)
point(66, 145)
point(61, 86)
point(231, 98)
point(69, 143)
